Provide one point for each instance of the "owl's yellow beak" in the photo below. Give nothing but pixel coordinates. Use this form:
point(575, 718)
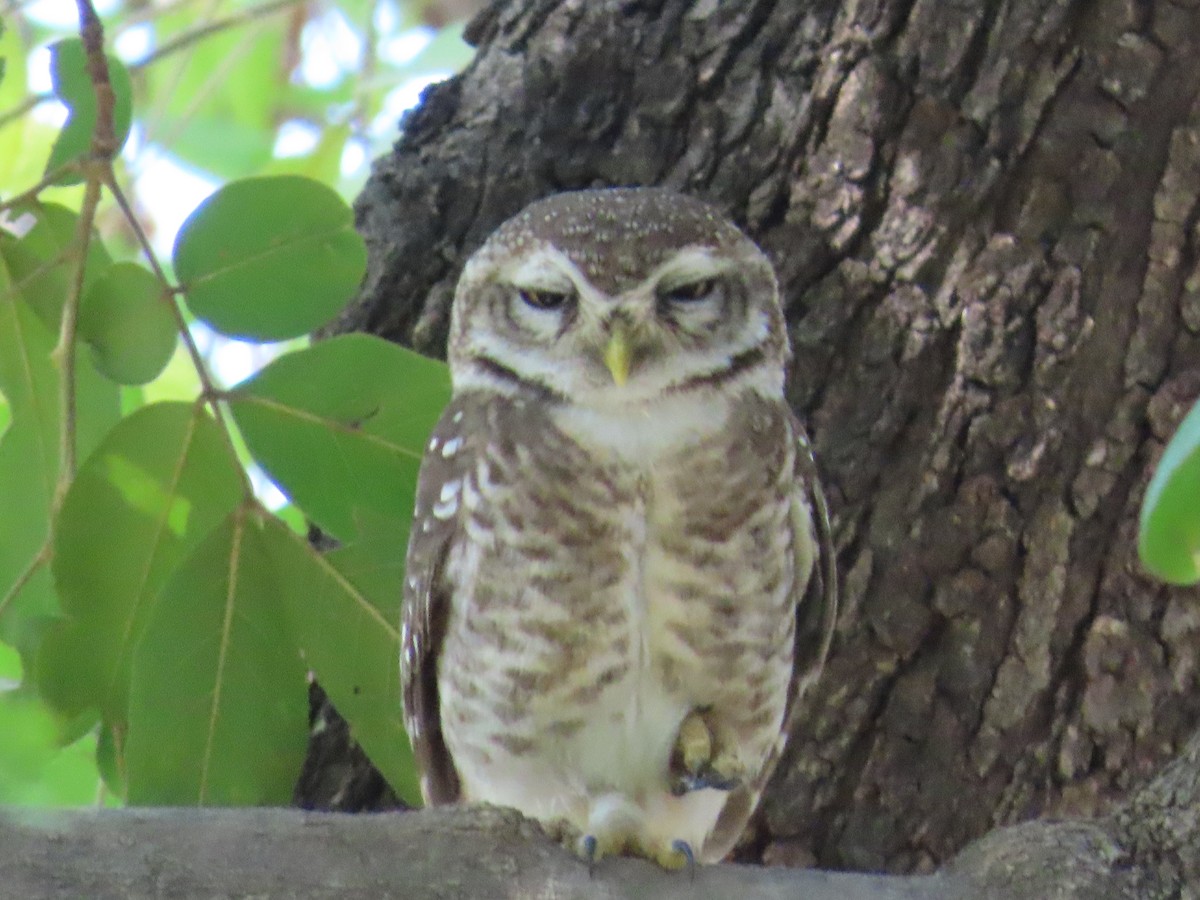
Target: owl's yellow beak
point(617, 355)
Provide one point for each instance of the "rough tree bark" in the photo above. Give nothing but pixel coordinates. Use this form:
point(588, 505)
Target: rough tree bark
point(983, 215)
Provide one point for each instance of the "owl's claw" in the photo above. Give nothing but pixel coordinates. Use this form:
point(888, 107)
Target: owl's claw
point(590, 847)
point(698, 763)
point(673, 856)
point(570, 838)
point(587, 847)
point(685, 849)
point(617, 838)
point(708, 778)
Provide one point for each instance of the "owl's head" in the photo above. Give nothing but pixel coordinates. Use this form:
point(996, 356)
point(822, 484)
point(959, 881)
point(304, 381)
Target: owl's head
point(614, 296)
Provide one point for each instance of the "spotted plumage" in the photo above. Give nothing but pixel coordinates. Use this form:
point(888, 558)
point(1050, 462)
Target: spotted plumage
point(613, 598)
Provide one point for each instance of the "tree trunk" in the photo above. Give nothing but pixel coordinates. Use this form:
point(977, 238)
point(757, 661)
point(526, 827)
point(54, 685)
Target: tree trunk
point(983, 216)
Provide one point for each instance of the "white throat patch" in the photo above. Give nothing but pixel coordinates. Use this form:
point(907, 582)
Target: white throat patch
point(645, 431)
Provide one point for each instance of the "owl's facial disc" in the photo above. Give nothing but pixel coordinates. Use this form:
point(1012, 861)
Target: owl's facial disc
point(688, 286)
point(594, 329)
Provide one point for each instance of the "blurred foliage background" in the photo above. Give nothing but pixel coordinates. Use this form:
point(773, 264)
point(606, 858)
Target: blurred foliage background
point(223, 89)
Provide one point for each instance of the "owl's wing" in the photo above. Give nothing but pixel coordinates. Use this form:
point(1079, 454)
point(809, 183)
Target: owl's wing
point(816, 608)
point(816, 615)
point(427, 591)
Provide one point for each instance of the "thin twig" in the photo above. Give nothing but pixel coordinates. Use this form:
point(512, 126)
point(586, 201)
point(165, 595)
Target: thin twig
point(198, 34)
point(23, 107)
point(144, 12)
point(42, 556)
point(215, 80)
point(210, 393)
point(64, 353)
point(208, 387)
point(102, 173)
point(48, 180)
point(48, 265)
point(103, 147)
point(91, 32)
point(181, 42)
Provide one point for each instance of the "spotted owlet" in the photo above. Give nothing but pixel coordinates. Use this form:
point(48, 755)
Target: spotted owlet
point(620, 577)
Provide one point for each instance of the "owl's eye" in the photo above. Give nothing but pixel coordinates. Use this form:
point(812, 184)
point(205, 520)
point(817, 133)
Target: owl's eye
point(543, 299)
point(691, 292)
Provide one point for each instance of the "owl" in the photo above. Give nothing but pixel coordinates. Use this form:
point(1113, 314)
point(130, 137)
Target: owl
point(620, 578)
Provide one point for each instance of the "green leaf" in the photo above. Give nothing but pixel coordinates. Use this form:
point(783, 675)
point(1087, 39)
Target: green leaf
point(269, 258)
point(330, 102)
point(29, 456)
point(223, 148)
point(73, 86)
point(126, 322)
point(110, 761)
point(344, 610)
point(44, 261)
point(34, 769)
point(12, 92)
point(29, 447)
point(341, 426)
point(178, 381)
point(160, 481)
point(219, 702)
point(10, 667)
point(216, 106)
point(1169, 532)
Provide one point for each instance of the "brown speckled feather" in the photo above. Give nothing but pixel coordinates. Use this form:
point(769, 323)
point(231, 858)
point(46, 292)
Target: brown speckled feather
point(427, 600)
point(426, 605)
point(816, 616)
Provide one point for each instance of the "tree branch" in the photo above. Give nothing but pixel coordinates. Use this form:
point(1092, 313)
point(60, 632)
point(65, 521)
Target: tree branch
point(1149, 849)
point(437, 853)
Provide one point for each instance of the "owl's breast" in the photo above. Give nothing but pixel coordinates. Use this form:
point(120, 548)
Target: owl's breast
point(601, 601)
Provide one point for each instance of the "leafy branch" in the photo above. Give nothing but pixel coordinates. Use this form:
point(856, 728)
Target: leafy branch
point(177, 612)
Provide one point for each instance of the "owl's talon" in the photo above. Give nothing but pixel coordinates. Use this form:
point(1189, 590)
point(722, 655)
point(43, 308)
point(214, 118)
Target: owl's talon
point(673, 857)
point(698, 761)
point(685, 849)
point(709, 778)
point(567, 835)
point(590, 847)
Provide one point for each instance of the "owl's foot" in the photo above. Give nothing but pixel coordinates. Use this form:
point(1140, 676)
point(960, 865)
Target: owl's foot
point(700, 761)
point(593, 848)
point(672, 856)
point(684, 849)
point(610, 829)
point(694, 743)
point(588, 847)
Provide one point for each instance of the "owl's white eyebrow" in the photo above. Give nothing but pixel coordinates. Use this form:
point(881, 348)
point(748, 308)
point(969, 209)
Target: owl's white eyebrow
point(545, 269)
point(688, 265)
